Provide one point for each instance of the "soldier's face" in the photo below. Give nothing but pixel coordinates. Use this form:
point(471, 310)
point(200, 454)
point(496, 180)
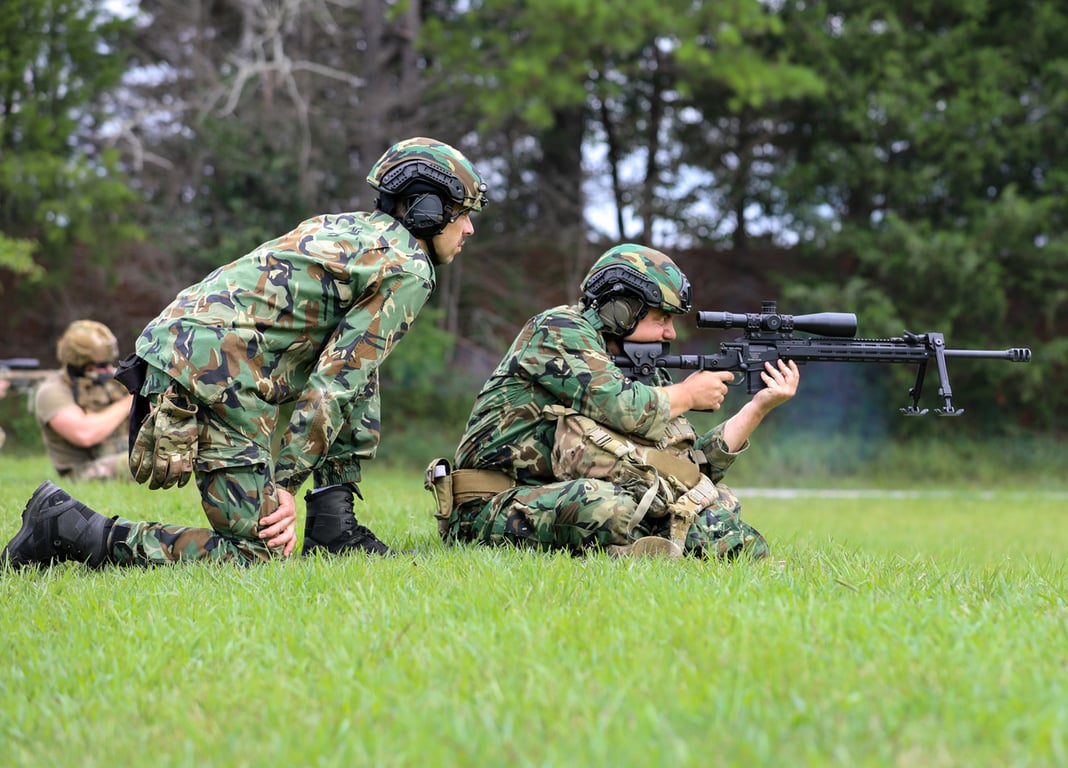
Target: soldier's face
point(657, 325)
point(450, 241)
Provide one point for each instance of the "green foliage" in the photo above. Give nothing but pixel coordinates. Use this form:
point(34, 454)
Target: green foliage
point(425, 400)
point(22, 435)
point(251, 192)
point(17, 256)
point(536, 58)
point(58, 185)
point(926, 170)
point(555, 75)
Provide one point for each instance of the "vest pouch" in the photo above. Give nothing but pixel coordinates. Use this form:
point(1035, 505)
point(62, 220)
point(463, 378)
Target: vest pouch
point(438, 480)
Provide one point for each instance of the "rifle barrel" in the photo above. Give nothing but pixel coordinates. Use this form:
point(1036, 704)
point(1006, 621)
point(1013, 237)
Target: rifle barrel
point(24, 363)
point(1015, 354)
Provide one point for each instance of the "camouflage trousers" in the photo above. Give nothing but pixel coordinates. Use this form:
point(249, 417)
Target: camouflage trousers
point(234, 499)
point(236, 489)
point(579, 515)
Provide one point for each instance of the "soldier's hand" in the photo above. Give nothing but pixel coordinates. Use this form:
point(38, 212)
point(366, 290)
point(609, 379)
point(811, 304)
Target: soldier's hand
point(280, 527)
point(701, 391)
point(780, 379)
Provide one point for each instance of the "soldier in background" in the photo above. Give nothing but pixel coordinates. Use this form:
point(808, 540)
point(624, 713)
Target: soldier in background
point(303, 320)
point(563, 451)
point(82, 411)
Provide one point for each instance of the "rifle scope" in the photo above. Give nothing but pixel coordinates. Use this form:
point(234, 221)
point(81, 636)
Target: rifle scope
point(841, 324)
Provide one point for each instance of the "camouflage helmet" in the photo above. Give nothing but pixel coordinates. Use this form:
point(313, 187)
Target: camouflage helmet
point(85, 342)
point(637, 272)
point(420, 162)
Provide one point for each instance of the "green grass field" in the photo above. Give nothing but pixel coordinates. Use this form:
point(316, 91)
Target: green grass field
point(888, 629)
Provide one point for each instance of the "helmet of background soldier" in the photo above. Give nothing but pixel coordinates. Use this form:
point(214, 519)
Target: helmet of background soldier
point(629, 280)
point(434, 180)
point(85, 342)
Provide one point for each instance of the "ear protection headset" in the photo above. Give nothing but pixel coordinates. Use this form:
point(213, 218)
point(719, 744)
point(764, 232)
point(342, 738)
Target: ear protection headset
point(429, 192)
point(424, 215)
point(622, 296)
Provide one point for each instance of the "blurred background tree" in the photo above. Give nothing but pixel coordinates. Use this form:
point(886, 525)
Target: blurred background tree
point(901, 160)
point(63, 195)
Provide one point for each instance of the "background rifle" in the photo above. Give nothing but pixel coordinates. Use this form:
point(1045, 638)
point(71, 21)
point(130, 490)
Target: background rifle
point(769, 336)
point(24, 373)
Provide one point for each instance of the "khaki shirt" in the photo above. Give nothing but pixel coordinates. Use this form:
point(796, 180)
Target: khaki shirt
point(54, 394)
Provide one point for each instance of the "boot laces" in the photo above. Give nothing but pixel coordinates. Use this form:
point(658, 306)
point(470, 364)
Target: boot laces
point(361, 537)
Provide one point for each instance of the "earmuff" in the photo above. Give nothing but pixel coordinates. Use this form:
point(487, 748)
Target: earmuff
point(428, 193)
point(622, 297)
point(424, 215)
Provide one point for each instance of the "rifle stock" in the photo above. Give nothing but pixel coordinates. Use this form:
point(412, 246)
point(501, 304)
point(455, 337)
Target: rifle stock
point(769, 336)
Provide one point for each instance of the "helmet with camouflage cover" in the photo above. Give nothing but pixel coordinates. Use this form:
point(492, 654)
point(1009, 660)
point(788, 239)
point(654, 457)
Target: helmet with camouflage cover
point(436, 181)
point(629, 280)
point(86, 342)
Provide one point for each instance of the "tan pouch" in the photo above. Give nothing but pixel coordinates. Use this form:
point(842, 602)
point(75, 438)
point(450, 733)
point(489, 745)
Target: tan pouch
point(584, 448)
point(438, 480)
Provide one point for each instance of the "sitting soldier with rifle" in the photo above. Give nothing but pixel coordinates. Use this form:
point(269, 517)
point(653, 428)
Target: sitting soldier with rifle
point(563, 450)
point(82, 411)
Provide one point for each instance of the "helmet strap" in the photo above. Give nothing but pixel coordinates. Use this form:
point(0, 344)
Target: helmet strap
point(430, 250)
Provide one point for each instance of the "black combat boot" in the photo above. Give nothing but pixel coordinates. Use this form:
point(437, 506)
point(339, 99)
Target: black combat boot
point(331, 525)
point(55, 528)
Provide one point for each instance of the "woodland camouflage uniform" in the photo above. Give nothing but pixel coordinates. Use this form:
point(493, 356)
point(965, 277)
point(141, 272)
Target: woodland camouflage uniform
point(561, 358)
point(305, 318)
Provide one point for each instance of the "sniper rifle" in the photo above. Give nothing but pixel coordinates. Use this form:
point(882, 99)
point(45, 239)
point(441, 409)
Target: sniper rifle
point(769, 336)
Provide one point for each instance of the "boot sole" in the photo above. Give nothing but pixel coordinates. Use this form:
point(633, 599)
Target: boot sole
point(325, 551)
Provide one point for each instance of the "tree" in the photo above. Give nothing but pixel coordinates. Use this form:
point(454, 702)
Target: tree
point(550, 83)
point(932, 170)
point(61, 187)
point(16, 256)
point(566, 75)
point(274, 112)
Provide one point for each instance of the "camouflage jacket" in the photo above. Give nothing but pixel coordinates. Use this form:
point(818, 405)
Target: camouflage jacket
point(561, 358)
point(305, 318)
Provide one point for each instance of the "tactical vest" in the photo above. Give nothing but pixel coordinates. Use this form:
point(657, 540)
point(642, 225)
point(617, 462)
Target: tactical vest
point(94, 396)
point(664, 477)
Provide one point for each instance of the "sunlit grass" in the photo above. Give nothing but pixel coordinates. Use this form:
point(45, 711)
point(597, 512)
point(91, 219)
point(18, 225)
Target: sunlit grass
point(884, 630)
